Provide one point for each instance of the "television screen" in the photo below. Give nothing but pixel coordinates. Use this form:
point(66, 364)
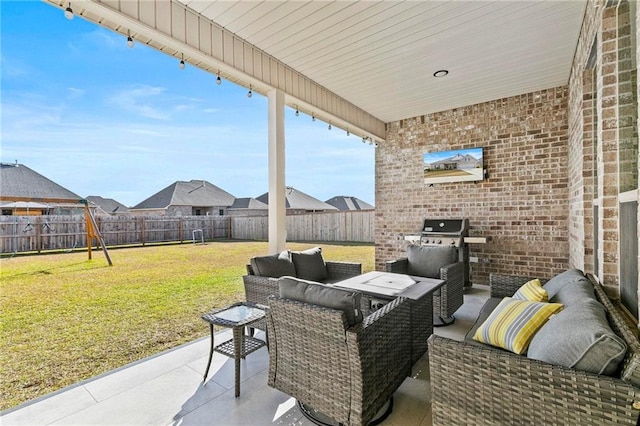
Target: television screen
point(453, 166)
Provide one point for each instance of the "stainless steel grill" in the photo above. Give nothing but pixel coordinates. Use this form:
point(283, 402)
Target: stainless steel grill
point(448, 232)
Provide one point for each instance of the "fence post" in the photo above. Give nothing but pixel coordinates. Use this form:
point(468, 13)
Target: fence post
point(180, 230)
point(141, 224)
point(39, 233)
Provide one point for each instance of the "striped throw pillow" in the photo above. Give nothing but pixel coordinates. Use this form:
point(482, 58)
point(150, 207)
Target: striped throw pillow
point(532, 291)
point(513, 323)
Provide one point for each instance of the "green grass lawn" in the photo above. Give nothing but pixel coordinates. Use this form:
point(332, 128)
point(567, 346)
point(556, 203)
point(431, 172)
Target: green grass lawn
point(66, 318)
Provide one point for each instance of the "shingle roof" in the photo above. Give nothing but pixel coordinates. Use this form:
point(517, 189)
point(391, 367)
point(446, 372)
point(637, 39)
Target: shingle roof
point(248, 203)
point(109, 205)
point(344, 203)
point(298, 200)
point(18, 180)
point(193, 193)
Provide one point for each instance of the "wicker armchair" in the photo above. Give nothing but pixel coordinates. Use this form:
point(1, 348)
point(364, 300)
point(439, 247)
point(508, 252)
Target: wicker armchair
point(257, 289)
point(347, 374)
point(449, 297)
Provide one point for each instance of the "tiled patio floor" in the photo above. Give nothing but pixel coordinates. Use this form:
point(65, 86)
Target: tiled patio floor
point(167, 389)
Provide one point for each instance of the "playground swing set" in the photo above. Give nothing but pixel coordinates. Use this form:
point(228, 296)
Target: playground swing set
point(93, 233)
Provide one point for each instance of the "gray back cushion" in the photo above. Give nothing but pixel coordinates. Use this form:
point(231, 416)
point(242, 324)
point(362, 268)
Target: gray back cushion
point(556, 283)
point(309, 264)
point(425, 261)
point(574, 292)
point(580, 337)
point(323, 295)
point(276, 265)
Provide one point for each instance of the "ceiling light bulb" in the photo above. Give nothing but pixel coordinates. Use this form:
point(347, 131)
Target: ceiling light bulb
point(329, 126)
point(129, 41)
point(250, 93)
point(181, 65)
point(218, 79)
point(440, 73)
point(68, 12)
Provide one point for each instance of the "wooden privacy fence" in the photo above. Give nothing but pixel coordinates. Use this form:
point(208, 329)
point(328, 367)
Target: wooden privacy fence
point(65, 232)
point(38, 233)
point(354, 226)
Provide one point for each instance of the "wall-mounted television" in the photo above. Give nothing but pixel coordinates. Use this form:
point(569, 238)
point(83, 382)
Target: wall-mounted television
point(461, 165)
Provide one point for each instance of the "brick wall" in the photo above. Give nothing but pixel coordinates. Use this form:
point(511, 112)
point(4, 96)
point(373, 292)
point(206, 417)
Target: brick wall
point(523, 205)
point(602, 121)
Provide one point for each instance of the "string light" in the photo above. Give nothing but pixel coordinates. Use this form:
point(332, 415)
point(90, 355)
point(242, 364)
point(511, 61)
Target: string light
point(297, 112)
point(129, 39)
point(313, 117)
point(348, 132)
point(181, 64)
point(68, 12)
point(218, 79)
point(250, 93)
point(329, 125)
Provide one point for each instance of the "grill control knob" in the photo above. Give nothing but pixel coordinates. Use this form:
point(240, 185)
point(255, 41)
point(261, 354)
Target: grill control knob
point(426, 241)
point(439, 241)
point(453, 242)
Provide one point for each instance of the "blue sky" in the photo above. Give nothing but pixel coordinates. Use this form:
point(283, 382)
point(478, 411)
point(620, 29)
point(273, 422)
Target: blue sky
point(81, 108)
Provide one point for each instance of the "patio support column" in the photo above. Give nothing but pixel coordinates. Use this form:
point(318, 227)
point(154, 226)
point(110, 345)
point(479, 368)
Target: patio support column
point(277, 195)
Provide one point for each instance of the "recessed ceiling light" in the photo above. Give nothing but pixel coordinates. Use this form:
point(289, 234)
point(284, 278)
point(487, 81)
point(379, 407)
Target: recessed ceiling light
point(440, 73)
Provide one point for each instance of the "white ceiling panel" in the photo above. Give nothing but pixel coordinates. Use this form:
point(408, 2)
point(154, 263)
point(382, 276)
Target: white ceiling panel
point(381, 55)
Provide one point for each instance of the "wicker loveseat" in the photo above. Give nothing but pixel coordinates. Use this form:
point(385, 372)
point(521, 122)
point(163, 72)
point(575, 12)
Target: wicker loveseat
point(474, 383)
point(263, 272)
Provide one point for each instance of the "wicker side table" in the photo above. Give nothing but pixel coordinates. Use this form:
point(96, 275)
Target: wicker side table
point(237, 317)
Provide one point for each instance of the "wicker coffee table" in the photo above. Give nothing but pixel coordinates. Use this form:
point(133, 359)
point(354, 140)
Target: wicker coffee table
point(237, 317)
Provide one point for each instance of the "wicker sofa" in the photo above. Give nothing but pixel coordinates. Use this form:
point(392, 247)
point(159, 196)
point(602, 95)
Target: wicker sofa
point(263, 272)
point(474, 383)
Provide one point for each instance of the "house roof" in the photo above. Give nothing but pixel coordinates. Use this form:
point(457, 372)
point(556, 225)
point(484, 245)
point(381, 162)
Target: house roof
point(193, 193)
point(248, 203)
point(18, 180)
point(344, 203)
point(109, 205)
point(298, 200)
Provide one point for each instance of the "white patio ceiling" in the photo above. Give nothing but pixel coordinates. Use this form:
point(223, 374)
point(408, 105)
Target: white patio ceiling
point(381, 55)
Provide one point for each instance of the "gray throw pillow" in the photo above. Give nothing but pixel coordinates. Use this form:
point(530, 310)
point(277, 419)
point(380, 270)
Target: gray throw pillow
point(309, 264)
point(580, 337)
point(426, 261)
point(323, 295)
point(275, 266)
point(556, 283)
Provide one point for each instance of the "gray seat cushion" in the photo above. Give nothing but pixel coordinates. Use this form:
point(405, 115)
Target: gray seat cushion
point(309, 264)
point(579, 337)
point(426, 261)
point(323, 295)
point(276, 265)
point(556, 283)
